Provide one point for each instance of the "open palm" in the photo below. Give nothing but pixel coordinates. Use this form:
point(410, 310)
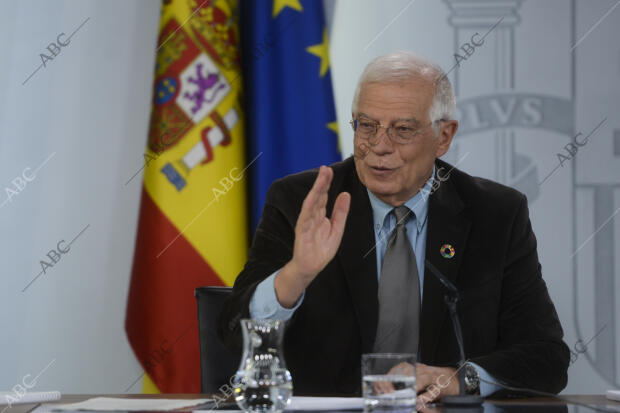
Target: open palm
point(317, 237)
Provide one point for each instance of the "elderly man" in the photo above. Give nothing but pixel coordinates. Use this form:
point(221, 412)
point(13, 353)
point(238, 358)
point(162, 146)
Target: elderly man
point(340, 252)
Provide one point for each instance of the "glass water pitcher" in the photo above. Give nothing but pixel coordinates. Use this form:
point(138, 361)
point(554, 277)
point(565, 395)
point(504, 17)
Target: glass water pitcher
point(262, 382)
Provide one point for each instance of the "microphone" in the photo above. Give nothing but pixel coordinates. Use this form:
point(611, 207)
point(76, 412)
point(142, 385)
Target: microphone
point(474, 401)
point(451, 299)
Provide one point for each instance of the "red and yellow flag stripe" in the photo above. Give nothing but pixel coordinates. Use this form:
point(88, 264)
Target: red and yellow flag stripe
point(192, 228)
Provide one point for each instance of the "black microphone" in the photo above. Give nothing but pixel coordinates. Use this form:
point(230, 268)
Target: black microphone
point(474, 401)
point(451, 298)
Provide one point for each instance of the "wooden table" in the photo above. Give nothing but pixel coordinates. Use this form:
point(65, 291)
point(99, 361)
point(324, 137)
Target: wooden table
point(536, 404)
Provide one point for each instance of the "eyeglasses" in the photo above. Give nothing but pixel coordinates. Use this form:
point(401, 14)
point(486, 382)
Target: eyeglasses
point(401, 132)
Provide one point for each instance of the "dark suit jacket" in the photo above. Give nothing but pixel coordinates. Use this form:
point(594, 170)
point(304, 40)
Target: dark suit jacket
point(510, 325)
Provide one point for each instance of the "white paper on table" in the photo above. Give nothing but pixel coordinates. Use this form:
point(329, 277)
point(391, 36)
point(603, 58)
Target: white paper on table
point(326, 403)
point(315, 403)
point(123, 404)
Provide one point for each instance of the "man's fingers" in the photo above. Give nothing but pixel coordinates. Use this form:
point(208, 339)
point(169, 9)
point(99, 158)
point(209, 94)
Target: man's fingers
point(403, 369)
point(422, 380)
point(384, 387)
point(313, 199)
point(424, 399)
point(432, 383)
point(320, 206)
point(426, 408)
point(339, 215)
point(322, 188)
point(323, 179)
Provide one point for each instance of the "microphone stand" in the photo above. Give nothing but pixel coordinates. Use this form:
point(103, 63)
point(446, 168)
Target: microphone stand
point(451, 299)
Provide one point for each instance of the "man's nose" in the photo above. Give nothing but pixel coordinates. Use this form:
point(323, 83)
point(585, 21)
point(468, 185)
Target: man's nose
point(382, 143)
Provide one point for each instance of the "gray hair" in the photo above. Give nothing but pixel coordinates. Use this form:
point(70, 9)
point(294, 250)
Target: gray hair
point(402, 66)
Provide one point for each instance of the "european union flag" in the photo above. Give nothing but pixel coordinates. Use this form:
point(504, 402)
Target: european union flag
point(291, 120)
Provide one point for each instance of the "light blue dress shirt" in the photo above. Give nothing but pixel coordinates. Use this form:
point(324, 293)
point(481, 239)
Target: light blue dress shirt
point(264, 303)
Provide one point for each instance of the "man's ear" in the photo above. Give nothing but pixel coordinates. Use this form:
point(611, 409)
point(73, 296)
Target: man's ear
point(447, 130)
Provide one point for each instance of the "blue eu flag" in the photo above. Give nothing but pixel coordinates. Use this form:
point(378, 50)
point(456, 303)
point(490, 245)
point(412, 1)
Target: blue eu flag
point(291, 120)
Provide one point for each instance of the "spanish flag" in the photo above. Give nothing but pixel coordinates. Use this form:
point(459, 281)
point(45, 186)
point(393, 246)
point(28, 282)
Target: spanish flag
point(192, 229)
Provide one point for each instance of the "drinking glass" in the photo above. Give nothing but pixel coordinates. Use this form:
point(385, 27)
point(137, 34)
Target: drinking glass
point(388, 380)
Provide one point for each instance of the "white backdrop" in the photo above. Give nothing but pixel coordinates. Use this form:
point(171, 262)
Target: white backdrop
point(82, 118)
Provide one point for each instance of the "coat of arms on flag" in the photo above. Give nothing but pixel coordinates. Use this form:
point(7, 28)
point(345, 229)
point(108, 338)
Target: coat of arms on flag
point(188, 88)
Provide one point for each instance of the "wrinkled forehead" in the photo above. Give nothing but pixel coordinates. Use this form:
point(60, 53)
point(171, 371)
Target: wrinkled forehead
point(389, 101)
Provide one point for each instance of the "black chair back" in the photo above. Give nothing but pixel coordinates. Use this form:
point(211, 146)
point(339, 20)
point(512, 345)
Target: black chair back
point(217, 363)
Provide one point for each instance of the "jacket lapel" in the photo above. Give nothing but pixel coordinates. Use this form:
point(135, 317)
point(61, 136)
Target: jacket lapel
point(446, 225)
point(358, 259)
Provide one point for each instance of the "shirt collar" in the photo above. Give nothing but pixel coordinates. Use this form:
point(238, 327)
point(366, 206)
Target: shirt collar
point(418, 204)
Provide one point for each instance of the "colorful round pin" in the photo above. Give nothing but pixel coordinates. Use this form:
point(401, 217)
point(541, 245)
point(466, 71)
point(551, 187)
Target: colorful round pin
point(447, 251)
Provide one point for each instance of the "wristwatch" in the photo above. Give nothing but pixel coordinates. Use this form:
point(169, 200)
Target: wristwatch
point(471, 378)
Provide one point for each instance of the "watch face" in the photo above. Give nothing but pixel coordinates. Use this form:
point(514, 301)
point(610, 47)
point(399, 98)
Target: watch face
point(472, 380)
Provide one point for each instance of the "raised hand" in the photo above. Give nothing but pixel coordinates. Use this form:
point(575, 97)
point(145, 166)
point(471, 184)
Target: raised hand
point(317, 239)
